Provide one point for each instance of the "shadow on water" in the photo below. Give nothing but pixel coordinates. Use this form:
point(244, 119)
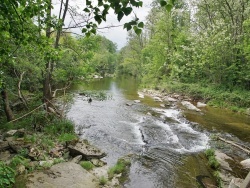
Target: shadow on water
point(161, 144)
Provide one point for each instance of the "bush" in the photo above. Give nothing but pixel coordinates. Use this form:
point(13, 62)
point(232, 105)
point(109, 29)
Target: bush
point(87, 165)
point(7, 176)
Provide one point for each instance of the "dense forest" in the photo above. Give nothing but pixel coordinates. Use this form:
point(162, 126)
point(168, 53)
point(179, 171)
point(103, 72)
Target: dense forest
point(200, 47)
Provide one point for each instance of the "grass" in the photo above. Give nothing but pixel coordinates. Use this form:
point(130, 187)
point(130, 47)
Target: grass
point(119, 167)
point(103, 181)
point(213, 163)
point(87, 165)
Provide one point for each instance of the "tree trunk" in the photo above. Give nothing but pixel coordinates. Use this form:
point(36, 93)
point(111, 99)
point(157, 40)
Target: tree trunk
point(7, 109)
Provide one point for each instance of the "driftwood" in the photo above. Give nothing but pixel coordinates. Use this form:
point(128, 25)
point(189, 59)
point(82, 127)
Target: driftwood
point(234, 144)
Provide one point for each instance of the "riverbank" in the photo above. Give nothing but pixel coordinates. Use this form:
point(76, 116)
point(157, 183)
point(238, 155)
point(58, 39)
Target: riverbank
point(236, 100)
point(55, 157)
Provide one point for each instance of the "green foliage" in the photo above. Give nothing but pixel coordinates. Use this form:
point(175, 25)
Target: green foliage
point(87, 165)
point(219, 181)
point(120, 167)
point(59, 126)
point(7, 175)
point(58, 160)
point(19, 160)
point(102, 180)
point(66, 137)
point(213, 163)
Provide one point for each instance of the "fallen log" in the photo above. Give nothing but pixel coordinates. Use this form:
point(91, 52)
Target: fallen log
point(234, 144)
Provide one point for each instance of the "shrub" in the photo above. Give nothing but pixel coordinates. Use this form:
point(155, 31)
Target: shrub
point(87, 165)
point(7, 176)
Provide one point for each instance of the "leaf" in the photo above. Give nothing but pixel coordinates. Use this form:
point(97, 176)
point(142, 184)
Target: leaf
point(163, 3)
point(120, 15)
point(127, 10)
point(88, 2)
point(98, 19)
point(169, 7)
point(84, 30)
point(100, 3)
point(141, 25)
point(86, 10)
point(93, 31)
point(138, 31)
point(140, 3)
point(87, 34)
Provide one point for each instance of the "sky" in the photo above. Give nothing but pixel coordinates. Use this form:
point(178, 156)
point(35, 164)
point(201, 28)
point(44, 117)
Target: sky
point(116, 34)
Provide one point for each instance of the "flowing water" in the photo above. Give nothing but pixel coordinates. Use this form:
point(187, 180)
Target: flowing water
point(157, 142)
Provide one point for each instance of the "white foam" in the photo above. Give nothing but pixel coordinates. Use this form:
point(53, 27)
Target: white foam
point(200, 140)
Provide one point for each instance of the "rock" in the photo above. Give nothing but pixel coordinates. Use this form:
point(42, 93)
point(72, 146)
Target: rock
point(77, 159)
point(10, 133)
point(4, 145)
point(5, 156)
point(235, 183)
point(201, 105)
point(157, 99)
point(221, 158)
point(137, 101)
point(141, 95)
point(190, 106)
point(17, 133)
point(170, 99)
point(248, 111)
point(46, 163)
point(129, 104)
point(149, 114)
point(86, 150)
point(17, 146)
point(98, 162)
point(63, 175)
point(246, 164)
point(162, 105)
point(20, 169)
point(10, 139)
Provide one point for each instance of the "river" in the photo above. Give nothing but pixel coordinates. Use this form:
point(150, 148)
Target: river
point(157, 143)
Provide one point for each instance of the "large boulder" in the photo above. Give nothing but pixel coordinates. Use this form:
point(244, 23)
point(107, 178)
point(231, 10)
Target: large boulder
point(66, 174)
point(246, 164)
point(235, 183)
point(222, 158)
point(190, 106)
point(87, 151)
